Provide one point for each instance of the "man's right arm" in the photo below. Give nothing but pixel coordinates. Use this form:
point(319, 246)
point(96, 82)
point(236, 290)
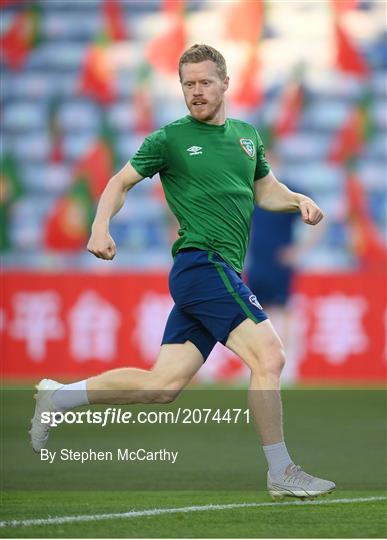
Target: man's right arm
point(101, 244)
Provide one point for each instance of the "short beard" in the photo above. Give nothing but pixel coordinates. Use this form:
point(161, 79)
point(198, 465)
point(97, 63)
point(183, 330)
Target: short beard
point(211, 114)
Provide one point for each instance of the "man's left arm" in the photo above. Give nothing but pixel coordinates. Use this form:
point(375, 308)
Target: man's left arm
point(272, 195)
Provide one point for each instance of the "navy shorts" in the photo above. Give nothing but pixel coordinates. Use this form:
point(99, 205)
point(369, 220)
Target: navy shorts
point(210, 300)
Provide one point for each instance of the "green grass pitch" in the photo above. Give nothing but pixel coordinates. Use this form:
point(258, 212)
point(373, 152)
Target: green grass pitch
point(338, 434)
point(329, 520)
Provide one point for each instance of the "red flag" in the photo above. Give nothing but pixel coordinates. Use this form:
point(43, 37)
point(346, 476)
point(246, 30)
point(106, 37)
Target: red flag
point(290, 109)
point(244, 21)
point(114, 20)
point(341, 6)
point(96, 166)
point(14, 42)
point(21, 36)
point(142, 98)
point(249, 93)
point(348, 141)
point(68, 225)
point(97, 77)
point(56, 153)
point(173, 6)
point(366, 239)
point(351, 138)
point(7, 3)
point(348, 59)
point(164, 51)
point(143, 122)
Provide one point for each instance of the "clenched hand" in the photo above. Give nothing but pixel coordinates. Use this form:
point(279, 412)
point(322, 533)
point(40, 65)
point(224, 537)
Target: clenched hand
point(102, 245)
point(310, 212)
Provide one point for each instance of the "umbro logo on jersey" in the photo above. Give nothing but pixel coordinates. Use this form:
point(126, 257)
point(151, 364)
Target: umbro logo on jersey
point(248, 147)
point(194, 150)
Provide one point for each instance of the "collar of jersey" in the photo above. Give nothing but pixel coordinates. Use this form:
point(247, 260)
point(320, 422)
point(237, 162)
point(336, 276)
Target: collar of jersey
point(207, 126)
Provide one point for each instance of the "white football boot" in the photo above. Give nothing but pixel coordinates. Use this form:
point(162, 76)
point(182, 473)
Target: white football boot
point(39, 432)
point(295, 482)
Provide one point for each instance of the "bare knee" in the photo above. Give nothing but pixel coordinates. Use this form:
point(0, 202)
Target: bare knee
point(276, 362)
point(161, 391)
point(176, 365)
point(260, 347)
point(269, 362)
point(164, 396)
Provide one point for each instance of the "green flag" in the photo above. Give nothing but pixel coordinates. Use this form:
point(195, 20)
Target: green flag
point(11, 189)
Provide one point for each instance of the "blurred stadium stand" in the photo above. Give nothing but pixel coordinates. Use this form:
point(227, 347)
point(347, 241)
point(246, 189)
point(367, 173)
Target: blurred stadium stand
point(51, 71)
point(84, 81)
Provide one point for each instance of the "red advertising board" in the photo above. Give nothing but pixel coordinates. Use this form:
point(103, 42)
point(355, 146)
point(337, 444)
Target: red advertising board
point(343, 326)
point(77, 325)
point(80, 324)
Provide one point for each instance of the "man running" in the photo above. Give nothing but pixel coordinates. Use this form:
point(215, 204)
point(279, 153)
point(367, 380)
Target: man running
point(212, 168)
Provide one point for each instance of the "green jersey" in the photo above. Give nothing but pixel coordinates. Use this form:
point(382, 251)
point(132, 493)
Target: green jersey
point(208, 175)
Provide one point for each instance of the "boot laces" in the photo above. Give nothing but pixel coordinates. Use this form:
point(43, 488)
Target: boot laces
point(296, 474)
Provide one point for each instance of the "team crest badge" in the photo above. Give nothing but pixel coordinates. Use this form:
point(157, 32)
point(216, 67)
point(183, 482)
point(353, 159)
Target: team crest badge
point(248, 147)
point(254, 301)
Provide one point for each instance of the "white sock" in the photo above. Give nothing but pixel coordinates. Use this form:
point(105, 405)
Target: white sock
point(70, 396)
point(277, 458)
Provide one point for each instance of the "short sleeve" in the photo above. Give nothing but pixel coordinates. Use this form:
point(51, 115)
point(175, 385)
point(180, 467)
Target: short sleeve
point(151, 157)
point(262, 167)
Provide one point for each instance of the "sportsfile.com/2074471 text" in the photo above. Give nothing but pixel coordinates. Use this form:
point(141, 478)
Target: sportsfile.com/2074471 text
point(113, 415)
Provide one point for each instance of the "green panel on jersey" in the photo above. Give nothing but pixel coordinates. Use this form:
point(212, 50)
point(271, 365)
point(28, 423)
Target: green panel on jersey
point(208, 175)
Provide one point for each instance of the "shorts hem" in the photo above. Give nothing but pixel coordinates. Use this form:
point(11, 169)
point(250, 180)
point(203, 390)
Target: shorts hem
point(205, 354)
point(236, 322)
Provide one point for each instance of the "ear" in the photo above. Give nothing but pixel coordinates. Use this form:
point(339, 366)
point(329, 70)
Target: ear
point(226, 83)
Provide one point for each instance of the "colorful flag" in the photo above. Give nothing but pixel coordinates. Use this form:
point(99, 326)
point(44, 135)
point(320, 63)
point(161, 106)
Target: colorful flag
point(244, 21)
point(23, 34)
point(341, 6)
point(249, 93)
point(291, 104)
point(349, 141)
point(96, 167)
point(107, 136)
point(11, 189)
point(164, 51)
point(176, 7)
point(7, 3)
point(114, 20)
point(366, 239)
point(290, 108)
point(142, 99)
point(348, 58)
point(346, 149)
point(97, 77)
point(68, 225)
